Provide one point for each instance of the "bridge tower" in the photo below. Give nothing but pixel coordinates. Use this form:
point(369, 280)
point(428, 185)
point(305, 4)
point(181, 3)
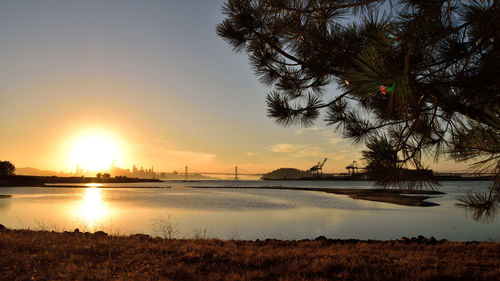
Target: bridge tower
point(236, 172)
point(186, 173)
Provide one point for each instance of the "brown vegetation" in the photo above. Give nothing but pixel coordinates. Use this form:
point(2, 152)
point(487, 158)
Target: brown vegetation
point(29, 255)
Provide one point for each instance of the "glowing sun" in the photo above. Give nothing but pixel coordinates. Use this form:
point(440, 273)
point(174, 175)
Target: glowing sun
point(95, 152)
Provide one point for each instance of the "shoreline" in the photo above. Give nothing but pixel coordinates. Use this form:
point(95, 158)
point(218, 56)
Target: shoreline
point(27, 181)
point(26, 255)
point(357, 178)
point(392, 196)
point(111, 187)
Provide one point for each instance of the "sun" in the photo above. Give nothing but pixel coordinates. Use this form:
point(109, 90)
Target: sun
point(95, 152)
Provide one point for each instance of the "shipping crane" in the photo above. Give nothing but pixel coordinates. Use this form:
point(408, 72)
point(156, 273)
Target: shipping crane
point(318, 168)
point(353, 168)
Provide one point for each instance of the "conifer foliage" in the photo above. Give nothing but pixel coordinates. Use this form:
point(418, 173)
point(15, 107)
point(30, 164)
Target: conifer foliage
point(7, 169)
point(419, 77)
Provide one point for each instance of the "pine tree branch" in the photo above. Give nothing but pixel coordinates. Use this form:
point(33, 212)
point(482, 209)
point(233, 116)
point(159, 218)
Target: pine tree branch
point(333, 7)
point(324, 104)
point(278, 49)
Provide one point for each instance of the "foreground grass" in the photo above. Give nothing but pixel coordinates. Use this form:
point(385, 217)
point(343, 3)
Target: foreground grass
point(39, 255)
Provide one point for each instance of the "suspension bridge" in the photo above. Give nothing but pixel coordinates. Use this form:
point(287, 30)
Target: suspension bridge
point(352, 169)
point(228, 172)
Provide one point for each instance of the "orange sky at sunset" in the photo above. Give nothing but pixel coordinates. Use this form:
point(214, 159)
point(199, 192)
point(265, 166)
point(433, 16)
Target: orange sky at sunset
point(159, 86)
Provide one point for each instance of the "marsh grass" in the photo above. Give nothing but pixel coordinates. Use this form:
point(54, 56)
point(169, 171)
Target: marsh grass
point(41, 224)
point(44, 255)
point(202, 234)
point(165, 228)
point(235, 233)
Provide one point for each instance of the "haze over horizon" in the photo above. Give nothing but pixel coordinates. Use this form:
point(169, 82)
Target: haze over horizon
point(146, 83)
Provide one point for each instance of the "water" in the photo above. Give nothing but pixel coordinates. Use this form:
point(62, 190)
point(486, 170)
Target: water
point(241, 213)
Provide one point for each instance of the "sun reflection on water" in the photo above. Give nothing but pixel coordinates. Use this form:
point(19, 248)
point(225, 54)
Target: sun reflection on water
point(93, 209)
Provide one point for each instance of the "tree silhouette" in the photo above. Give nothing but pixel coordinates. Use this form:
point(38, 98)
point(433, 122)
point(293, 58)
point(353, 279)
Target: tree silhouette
point(420, 78)
point(7, 168)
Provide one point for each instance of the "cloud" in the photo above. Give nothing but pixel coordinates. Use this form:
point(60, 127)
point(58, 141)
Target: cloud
point(334, 141)
point(340, 142)
point(185, 154)
point(174, 159)
point(333, 147)
point(285, 147)
point(302, 131)
point(166, 156)
point(164, 148)
point(298, 150)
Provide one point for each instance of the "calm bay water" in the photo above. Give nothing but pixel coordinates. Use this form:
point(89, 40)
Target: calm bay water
point(248, 213)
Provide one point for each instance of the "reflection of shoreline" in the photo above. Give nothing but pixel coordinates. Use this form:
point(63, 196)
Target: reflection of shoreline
point(393, 196)
point(5, 204)
point(105, 186)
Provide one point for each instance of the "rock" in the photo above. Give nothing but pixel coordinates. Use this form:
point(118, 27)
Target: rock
point(404, 239)
point(421, 238)
point(100, 233)
point(433, 240)
point(320, 238)
point(141, 236)
point(334, 241)
point(2, 227)
point(76, 230)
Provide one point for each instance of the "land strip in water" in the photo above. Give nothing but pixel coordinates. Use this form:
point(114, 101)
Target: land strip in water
point(96, 185)
point(394, 196)
point(20, 180)
point(44, 255)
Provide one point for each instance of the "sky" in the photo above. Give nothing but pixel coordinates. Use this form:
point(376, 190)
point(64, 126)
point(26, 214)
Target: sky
point(153, 77)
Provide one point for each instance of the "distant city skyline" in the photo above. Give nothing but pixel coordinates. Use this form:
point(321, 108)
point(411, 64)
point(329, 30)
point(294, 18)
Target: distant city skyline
point(135, 172)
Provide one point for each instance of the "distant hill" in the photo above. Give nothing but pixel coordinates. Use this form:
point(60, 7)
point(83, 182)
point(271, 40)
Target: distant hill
point(28, 171)
point(286, 173)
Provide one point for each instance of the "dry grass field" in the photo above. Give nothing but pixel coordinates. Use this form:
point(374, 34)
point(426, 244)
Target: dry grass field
point(42, 255)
